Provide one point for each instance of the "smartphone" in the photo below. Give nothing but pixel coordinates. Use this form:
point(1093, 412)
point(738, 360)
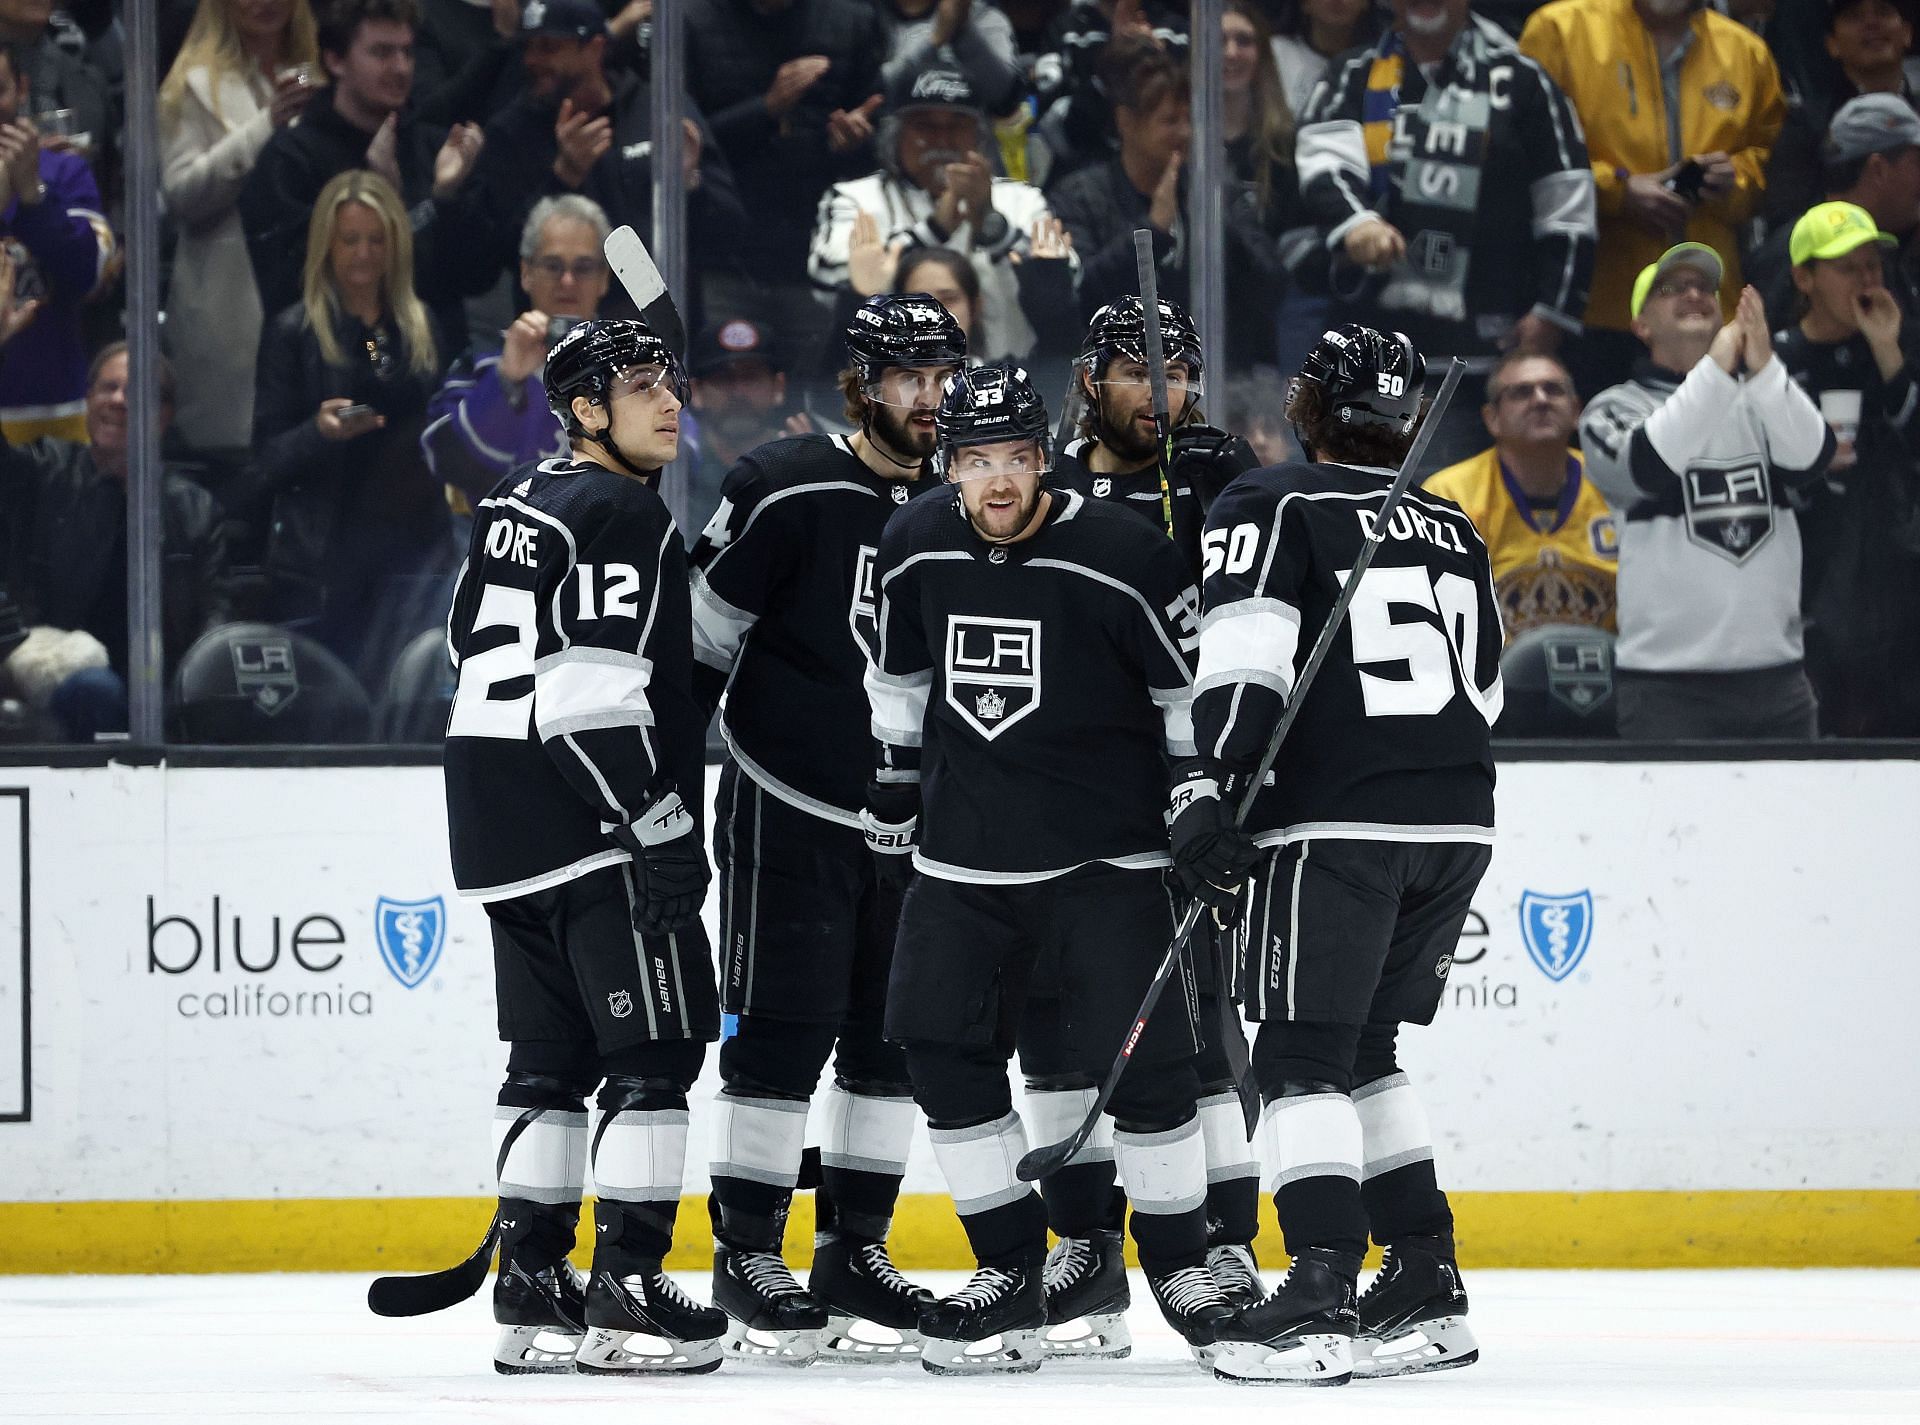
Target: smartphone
point(558, 327)
point(1688, 180)
point(349, 413)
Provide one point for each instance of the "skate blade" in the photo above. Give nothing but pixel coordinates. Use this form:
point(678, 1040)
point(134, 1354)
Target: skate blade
point(1101, 1337)
point(1444, 1344)
point(1299, 1360)
point(854, 1340)
point(534, 1350)
point(773, 1348)
point(607, 1352)
point(1009, 1353)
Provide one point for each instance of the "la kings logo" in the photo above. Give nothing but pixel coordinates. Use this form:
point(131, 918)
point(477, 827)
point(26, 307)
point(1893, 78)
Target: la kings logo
point(860, 612)
point(993, 670)
point(1729, 508)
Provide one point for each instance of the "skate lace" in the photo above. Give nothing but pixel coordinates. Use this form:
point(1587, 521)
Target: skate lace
point(1389, 1269)
point(769, 1274)
point(1189, 1289)
point(880, 1266)
point(660, 1286)
point(1229, 1268)
point(1069, 1260)
point(987, 1286)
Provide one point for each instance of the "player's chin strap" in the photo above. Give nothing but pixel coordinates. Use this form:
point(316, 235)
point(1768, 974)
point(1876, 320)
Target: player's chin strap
point(879, 447)
point(604, 439)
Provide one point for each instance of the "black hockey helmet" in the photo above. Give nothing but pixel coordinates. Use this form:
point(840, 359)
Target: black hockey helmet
point(586, 360)
point(1369, 378)
point(1120, 329)
point(987, 404)
point(903, 329)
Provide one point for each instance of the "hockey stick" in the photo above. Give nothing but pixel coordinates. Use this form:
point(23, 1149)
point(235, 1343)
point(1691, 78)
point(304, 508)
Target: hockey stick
point(1156, 354)
point(436, 1291)
point(633, 265)
point(1040, 1162)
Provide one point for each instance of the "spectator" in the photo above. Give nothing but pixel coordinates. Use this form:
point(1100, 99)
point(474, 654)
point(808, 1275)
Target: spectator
point(1862, 523)
point(937, 189)
point(63, 539)
point(58, 79)
point(362, 122)
point(1872, 160)
point(1265, 197)
point(1669, 93)
point(492, 414)
point(1472, 234)
point(1698, 453)
point(1100, 41)
point(739, 402)
point(1868, 40)
point(580, 128)
point(358, 532)
point(1553, 540)
point(1254, 406)
point(1316, 33)
point(790, 87)
point(243, 72)
point(59, 246)
point(969, 35)
point(463, 54)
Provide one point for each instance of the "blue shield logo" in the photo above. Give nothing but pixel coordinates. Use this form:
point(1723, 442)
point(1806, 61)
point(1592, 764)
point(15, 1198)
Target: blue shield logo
point(1557, 930)
point(411, 934)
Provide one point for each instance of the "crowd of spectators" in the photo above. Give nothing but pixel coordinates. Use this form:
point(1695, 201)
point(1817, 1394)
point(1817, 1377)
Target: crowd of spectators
point(1674, 242)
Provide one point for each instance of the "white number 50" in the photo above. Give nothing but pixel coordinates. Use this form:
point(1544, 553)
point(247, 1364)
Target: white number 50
point(1437, 662)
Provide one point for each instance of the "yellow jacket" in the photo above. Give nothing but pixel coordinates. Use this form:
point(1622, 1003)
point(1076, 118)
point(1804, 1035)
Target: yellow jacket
point(1600, 53)
point(1559, 575)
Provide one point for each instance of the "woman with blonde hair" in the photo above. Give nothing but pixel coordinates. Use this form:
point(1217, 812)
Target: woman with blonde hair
point(358, 534)
point(245, 69)
point(1264, 199)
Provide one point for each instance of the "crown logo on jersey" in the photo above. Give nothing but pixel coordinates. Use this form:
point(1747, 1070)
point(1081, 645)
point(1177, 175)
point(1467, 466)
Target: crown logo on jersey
point(990, 705)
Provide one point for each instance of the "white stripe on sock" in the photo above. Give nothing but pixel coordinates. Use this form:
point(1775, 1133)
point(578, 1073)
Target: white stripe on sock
point(1312, 1135)
point(1393, 1126)
point(759, 1139)
point(865, 1133)
point(1164, 1173)
point(643, 1156)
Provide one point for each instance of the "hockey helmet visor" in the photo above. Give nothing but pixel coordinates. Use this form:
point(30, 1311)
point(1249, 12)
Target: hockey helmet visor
point(903, 329)
point(605, 359)
point(1119, 330)
point(992, 422)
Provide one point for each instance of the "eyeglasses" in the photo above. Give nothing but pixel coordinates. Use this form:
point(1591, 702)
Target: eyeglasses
point(581, 269)
point(1685, 287)
point(1525, 391)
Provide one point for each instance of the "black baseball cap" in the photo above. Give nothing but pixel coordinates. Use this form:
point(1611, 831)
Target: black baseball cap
point(735, 339)
point(571, 19)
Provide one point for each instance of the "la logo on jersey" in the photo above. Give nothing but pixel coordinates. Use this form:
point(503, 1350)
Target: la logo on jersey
point(993, 670)
point(1557, 930)
point(860, 609)
point(1729, 508)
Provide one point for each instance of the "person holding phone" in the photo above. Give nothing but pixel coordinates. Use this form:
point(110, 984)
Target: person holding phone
point(357, 542)
point(489, 416)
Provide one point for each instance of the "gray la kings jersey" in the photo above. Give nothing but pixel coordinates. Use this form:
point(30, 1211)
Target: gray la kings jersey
point(1701, 467)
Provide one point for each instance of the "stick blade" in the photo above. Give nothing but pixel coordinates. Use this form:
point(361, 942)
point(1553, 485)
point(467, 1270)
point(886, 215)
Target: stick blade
point(1044, 1161)
point(434, 1291)
point(633, 265)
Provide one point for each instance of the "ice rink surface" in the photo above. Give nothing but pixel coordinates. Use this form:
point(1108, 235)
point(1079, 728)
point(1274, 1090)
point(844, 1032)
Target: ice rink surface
point(1556, 1346)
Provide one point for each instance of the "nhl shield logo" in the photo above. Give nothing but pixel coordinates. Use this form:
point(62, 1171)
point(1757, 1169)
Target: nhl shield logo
point(620, 1004)
point(411, 935)
point(993, 670)
point(1556, 930)
point(1729, 508)
point(1102, 487)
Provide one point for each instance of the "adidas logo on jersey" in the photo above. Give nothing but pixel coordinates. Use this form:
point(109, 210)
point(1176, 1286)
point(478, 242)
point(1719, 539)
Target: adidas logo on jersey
point(523, 487)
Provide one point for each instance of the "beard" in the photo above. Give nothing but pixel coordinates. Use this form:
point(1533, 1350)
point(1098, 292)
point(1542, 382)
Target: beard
point(1124, 437)
point(1021, 517)
point(891, 426)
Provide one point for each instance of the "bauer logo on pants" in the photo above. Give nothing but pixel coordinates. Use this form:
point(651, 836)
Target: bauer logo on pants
point(1557, 930)
point(993, 670)
point(410, 934)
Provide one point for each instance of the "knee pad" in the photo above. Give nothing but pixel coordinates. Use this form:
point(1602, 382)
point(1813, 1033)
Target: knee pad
point(775, 1058)
point(663, 1069)
point(864, 1063)
point(1058, 1083)
point(1153, 1098)
point(1287, 1053)
point(549, 1074)
point(1376, 1057)
point(959, 1086)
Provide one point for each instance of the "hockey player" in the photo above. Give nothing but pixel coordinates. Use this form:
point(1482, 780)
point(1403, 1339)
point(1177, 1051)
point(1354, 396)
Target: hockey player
point(1032, 679)
point(1380, 820)
point(1117, 458)
point(783, 619)
point(573, 733)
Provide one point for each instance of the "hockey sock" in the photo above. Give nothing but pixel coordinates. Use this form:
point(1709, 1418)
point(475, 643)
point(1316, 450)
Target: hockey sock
point(864, 1135)
point(1402, 1195)
point(757, 1142)
point(545, 1168)
point(1233, 1171)
point(1006, 1224)
point(1310, 1143)
point(638, 1162)
point(1080, 1196)
point(1166, 1178)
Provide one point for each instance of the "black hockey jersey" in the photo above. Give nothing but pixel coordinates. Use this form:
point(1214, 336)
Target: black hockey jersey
point(572, 636)
point(1141, 494)
point(1039, 687)
point(783, 610)
point(1393, 741)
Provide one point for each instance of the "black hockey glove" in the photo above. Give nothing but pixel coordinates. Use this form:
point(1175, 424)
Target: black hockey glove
point(669, 865)
point(1210, 458)
point(891, 824)
point(1211, 856)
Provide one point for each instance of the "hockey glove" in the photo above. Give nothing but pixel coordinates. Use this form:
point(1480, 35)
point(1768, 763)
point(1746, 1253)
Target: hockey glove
point(891, 824)
point(1210, 458)
point(669, 865)
point(1211, 856)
